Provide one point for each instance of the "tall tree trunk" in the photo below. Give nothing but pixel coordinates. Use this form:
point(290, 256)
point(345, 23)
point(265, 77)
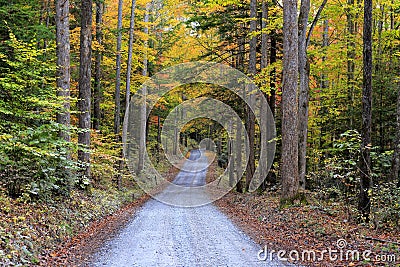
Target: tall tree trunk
point(63, 64)
point(117, 111)
point(127, 91)
point(84, 87)
point(264, 35)
point(240, 58)
point(364, 204)
point(239, 66)
point(272, 74)
point(128, 75)
point(175, 143)
point(379, 123)
point(230, 157)
point(272, 95)
point(263, 160)
point(250, 121)
point(290, 137)
point(350, 60)
point(97, 94)
point(129, 67)
point(143, 115)
point(272, 85)
point(159, 139)
point(304, 73)
point(263, 64)
point(396, 155)
point(239, 185)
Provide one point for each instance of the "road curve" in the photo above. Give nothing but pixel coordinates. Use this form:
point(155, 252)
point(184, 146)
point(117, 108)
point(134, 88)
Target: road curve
point(165, 235)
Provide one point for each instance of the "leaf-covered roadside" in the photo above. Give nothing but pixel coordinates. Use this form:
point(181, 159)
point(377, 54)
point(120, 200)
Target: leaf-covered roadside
point(79, 249)
point(31, 231)
point(311, 227)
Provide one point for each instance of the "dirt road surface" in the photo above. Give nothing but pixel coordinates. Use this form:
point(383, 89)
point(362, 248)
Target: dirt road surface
point(166, 235)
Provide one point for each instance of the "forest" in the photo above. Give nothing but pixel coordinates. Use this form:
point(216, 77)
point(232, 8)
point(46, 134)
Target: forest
point(329, 71)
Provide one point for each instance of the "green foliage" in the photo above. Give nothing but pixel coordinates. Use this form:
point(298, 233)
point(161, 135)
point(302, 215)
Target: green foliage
point(27, 91)
point(34, 160)
point(339, 168)
point(338, 178)
point(26, 18)
point(381, 164)
point(385, 203)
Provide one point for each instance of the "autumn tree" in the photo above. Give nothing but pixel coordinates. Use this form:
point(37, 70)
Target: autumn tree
point(97, 91)
point(304, 83)
point(290, 138)
point(304, 70)
point(364, 205)
point(250, 118)
point(84, 98)
point(117, 96)
point(143, 109)
point(396, 155)
point(127, 88)
point(63, 64)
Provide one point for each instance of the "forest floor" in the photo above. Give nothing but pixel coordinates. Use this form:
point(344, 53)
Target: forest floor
point(315, 228)
point(31, 229)
point(319, 228)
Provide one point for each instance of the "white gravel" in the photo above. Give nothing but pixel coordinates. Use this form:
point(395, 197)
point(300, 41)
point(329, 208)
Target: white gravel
point(165, 235)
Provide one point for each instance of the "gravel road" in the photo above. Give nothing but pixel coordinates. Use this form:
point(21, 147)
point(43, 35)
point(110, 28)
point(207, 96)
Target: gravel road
point(167, 235)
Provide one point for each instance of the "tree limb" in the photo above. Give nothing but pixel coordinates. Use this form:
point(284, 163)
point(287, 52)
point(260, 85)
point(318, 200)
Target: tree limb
point(316, 18)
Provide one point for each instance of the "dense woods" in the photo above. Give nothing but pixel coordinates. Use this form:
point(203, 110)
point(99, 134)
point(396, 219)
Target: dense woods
point(329, 70)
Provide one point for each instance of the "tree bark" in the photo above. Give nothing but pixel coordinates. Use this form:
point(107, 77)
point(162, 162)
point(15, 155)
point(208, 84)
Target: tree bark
point(263, 129)
point(63, 65)
point(143, 115)
point(127, 91)
point(263, 64)
point(304, 73)
point(264, 35)
point(290, 138)
point(239, 187)
point(250, 121)
point(97, 94)
point(84, 87)
point(364, 204)
point(230, 157)
point(350, 60)
point(128, 76)
point(175, 143)
point(159, 139)
point(117, 111)
point(272, 85)
point(396, 155)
